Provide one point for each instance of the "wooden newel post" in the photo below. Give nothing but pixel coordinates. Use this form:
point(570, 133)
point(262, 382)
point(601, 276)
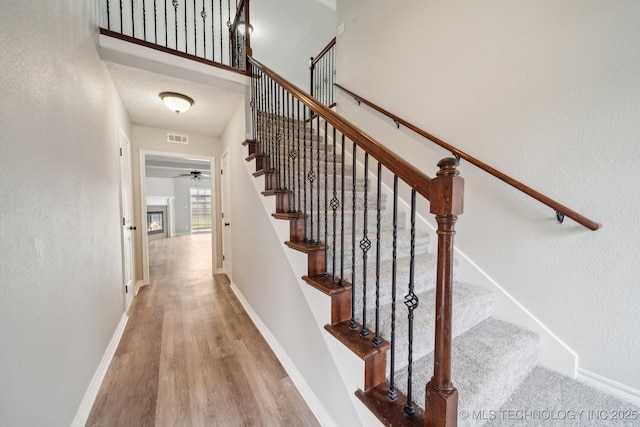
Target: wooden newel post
point(447, 194)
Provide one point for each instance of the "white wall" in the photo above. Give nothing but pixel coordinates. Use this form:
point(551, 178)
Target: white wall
point(160, 187)
point(154, 139)
point(548, 92)
point(288, 32)
point(61, 285)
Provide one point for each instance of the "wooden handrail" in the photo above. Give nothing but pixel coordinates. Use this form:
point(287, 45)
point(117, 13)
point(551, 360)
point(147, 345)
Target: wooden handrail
point(407, 172)
point(559, 208)
point(323, 52)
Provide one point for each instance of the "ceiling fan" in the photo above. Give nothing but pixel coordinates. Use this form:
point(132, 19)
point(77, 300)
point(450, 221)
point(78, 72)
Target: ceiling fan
point(195, 175)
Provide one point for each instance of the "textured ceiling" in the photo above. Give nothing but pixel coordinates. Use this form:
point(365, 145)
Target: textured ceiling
point(139, 90)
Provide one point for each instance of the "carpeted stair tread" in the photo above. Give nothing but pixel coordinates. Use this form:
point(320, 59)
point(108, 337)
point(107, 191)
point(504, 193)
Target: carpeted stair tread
point(548, 398)
point(489, 361)
point(471, 305)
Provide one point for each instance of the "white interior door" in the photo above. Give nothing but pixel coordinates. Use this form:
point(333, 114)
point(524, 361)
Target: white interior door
point(128, 227)
point(226, 213)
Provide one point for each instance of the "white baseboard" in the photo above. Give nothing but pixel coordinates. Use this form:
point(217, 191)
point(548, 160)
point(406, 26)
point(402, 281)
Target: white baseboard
point(219, 270)
point(94, 386)
point(609, 386)
point(316, 406)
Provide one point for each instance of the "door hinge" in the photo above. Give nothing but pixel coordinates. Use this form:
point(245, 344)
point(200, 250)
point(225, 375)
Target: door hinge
point(126, 289)
point(221, 171)
point(120, 151)
point(124, 221)
point(223, 257)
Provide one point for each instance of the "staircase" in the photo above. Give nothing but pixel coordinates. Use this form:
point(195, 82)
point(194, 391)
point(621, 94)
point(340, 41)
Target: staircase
point(490, 358)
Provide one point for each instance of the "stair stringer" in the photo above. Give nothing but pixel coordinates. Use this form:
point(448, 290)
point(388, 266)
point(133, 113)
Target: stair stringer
point(350, 367)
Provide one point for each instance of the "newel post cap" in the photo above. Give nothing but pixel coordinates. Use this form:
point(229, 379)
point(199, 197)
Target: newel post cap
point(447, 189)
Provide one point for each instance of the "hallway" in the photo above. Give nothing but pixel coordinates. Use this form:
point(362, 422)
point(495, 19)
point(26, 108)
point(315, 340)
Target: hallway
point(190, 355)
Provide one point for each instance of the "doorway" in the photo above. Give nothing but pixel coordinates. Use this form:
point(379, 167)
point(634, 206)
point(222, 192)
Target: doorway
point(168, 182)
point(128, 227)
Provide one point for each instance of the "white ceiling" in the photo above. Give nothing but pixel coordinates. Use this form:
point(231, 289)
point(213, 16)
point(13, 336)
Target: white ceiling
point(171, 167)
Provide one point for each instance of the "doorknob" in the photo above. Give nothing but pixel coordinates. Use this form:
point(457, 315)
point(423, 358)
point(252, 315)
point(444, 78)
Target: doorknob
point(226, 224)
point(132, 227)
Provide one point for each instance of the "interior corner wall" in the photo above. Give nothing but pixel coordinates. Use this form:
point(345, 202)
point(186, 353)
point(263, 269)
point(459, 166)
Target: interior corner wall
point(262, 273)
point(547, 92)
point(154, 139)
point(61, 290)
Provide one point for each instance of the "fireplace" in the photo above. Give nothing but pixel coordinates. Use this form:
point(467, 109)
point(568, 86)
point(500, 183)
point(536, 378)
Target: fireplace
point(155, 222)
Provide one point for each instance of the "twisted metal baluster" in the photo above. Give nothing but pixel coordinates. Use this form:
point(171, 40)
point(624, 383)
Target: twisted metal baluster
point(334, 205)
point(166, 25)
point(195, 30)
point(365, 245)
point(278, 139)
point(221, 47)
point(108, 15)
point(411, 301)
point(319, 242)
point(213, 33)
point(290, 157)
point(304, 174)
point(377, 340)
point(175, 19)
point(155, 22)
point(203, 14)
point(352, 323)
point(392, 394)
point(326, 201)
point(311, 176)
point(341, 211)
point(144, 20)
point(298, 152)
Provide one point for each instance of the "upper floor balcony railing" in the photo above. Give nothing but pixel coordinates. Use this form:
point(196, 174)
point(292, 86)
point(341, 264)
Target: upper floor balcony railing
point(212, 30)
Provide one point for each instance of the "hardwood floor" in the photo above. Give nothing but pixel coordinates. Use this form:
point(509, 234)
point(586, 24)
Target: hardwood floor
point(190, 355)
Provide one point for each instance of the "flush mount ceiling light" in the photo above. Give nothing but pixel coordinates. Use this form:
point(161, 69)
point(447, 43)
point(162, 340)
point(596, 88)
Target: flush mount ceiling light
point(242, 28)
point(176, 101)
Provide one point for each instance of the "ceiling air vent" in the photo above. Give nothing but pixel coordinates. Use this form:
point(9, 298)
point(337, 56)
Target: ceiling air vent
point(177, 139)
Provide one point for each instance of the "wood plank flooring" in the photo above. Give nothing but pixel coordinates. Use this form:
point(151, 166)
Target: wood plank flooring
point(190, 355)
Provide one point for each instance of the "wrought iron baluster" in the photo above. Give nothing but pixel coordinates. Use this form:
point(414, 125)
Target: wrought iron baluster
point(352, 323)
point(411, 301)
point(221, 49)
point(213, 33)
point(155, 22)
point(290, 156)
point(203, 14)
point(319, 242)
point(166, 25)
point(342, 148)
point(311, 177)
point(299, 181)
point(186, 37)
point(175, 19)
point(195, 30)
point(133, 22)
point(278, 136)
point(365, 245)
point(377, 340)
point(144, 20)
point(304, 173)
point(108, 15)
point(121, 15)
point(326, 200)
point(335, 203)
point(392, 394)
